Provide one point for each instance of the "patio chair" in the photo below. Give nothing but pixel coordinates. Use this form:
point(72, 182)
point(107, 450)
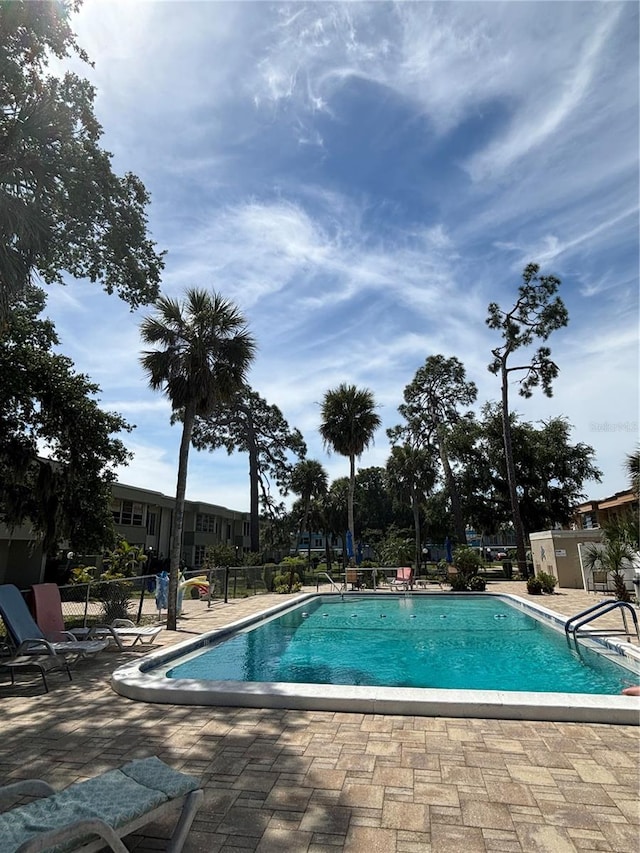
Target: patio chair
point(119, 630)
point(28, 637)
point(42, 660)
point(351, 577)
point(403, 579)
point(598, 581)
point(95, 814)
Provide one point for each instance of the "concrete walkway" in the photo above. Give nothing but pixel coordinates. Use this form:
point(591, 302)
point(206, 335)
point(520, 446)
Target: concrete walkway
point(321, 782)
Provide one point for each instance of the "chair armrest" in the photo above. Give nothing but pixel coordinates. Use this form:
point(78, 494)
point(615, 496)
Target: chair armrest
point(25, 788)
point(35, 645)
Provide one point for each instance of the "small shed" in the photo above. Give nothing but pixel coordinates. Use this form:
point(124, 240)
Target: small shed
point(556, 552)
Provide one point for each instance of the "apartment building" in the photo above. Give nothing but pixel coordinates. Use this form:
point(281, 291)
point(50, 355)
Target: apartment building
point(142, 517)
point(593, 514)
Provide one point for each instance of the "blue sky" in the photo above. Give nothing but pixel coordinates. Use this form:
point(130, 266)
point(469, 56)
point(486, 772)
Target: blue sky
point(362, 179)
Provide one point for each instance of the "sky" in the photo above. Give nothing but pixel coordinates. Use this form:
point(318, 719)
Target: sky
point(362, 180)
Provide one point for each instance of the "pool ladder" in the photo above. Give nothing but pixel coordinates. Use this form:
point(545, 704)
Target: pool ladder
point(334, 585)
point(597, 610)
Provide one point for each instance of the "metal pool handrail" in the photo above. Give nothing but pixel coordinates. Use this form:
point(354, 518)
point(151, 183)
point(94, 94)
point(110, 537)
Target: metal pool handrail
point(597, 610)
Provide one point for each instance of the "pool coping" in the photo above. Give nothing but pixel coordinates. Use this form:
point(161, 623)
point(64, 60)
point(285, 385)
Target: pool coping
point(135, 681)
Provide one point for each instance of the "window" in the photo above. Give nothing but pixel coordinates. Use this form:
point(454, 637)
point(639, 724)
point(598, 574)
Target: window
point(200, 556)
point(245, 528)
point(206, 523)
point(127, 513)
point(151, 523)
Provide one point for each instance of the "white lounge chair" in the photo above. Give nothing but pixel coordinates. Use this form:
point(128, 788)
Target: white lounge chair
point(120, 630)
point(89, 816)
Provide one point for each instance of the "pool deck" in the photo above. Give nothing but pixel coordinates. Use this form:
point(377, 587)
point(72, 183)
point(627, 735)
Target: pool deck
point(322, 782)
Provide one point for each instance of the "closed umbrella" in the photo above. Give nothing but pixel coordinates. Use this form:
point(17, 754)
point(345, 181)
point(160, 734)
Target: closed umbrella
point(162, 591)
point(349, 544)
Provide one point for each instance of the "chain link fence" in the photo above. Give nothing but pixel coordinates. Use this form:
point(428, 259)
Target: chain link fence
point(100, 601)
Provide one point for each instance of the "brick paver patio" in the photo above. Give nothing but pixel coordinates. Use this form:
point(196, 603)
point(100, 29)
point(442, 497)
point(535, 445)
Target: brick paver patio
point(322, 782)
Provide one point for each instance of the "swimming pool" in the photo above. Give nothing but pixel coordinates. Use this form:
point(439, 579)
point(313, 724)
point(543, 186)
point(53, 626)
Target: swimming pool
point(482, 655)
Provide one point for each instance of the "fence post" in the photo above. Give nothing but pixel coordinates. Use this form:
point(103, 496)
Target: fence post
point(209, 573)
point(142, 577)
point(226, 584)
point(86, 605)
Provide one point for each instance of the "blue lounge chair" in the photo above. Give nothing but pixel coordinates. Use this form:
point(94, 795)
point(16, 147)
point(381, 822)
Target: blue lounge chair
point(89, 816)
point(28, 638)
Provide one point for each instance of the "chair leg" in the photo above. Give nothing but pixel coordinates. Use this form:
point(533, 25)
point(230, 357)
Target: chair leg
point(188, 813)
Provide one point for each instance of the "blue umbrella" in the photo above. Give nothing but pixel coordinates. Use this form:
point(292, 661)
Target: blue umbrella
point(447, 545)
point(162, 590)
point(349, 544)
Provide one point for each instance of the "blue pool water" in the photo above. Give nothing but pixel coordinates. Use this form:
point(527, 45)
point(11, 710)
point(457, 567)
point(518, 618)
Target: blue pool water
point(469, 643)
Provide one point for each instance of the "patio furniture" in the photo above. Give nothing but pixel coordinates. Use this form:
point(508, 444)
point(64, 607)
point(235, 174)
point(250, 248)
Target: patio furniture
point(42, 660)
point(598, 581)
point(89, 815)
point(119, 630)
point(403, 579)
point(26, 635)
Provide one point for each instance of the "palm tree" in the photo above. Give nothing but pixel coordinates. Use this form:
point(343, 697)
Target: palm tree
point(412, 475)
point(309, 480)
point(349, 422)
point(203, 351)
point(632, 467)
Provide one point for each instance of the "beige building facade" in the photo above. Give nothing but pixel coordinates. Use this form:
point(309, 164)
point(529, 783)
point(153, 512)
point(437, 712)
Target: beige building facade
point(556, 552)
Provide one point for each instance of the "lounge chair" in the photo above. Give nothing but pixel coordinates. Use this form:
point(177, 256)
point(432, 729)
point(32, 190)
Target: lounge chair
point(26, 635)
point(119, 630)
point(42, 660)
point(47, 606)
point(91, 815)
point(403, 579)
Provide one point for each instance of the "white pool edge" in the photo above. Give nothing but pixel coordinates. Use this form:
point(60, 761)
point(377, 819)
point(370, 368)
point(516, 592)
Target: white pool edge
point(135, 681)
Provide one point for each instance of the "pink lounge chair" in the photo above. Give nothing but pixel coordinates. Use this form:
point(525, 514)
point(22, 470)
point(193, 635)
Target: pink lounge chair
point(403, 579)
point(47, 607)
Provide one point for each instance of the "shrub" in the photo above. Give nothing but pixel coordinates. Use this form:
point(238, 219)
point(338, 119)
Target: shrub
point(534, 586)
point(467, 561)
point(221, 555)
point(281, 582)
point(459, 582)
point(477, 584)
point(548, 582)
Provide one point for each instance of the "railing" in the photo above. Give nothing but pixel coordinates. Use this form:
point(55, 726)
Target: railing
point(597, 610)
point(331, 581)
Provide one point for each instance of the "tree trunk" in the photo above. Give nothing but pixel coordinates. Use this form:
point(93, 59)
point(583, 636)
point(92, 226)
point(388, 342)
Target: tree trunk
point(511, 475)
point(254, 515)
point(178, 518)
point(415, 506)
point(352, 486)
point(452, 488)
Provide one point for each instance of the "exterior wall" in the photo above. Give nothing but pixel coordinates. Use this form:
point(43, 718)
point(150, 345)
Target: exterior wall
point(205, 525)
point(18, 557)
point(556, 552)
